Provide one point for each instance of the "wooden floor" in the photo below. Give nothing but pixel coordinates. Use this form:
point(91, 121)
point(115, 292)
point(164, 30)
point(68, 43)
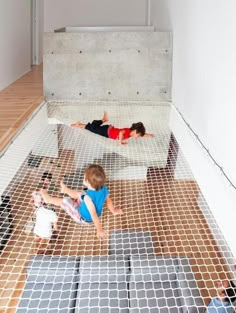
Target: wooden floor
point(162, 205)
point(167, 209)
point(17, 102)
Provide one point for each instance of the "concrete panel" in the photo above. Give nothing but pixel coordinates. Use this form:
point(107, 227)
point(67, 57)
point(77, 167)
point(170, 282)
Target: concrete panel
point(74, 29)
point(107, 66)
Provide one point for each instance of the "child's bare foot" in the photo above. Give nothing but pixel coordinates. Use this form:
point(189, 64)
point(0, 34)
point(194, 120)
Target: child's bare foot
point(63, 187)
point(78, 125)
point(45, 195)
point(105, 117)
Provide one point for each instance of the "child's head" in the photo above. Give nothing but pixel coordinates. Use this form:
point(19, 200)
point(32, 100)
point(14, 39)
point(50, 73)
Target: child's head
point(94, 176)
point(137, 130)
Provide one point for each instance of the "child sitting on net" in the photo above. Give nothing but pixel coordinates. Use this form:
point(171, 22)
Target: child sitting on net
point(135, 131)
point(86, 206)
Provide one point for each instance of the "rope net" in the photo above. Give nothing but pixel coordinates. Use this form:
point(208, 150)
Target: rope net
point(165, 253)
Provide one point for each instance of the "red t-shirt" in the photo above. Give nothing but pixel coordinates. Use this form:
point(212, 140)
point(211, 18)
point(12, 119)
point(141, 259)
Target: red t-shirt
point(113, 132)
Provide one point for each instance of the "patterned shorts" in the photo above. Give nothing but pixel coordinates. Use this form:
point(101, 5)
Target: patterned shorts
point(71, 208)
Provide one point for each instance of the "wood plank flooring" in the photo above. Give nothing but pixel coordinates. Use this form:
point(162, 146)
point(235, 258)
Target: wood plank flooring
point(166, 207)
point(18, 101)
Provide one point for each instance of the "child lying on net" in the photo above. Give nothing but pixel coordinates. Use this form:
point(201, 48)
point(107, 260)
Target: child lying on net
point(135, 131)
point(86, 206)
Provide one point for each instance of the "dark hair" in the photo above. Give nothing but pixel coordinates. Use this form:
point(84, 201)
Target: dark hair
point(46, 175)
point(6, 203)
point(139, 127)
point(230, 292)
point(95, 175)
point(5, 199)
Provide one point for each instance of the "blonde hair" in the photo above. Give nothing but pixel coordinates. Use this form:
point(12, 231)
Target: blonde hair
point(95, 175)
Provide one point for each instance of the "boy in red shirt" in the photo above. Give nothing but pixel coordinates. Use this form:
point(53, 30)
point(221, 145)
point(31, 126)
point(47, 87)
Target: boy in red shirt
point(109, 131)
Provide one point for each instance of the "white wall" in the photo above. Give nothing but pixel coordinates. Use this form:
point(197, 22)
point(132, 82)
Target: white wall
point(204, 71)
point(220, 197)
point(37, 20)
point(40, 8)
point(15, 27)
point(59, 13)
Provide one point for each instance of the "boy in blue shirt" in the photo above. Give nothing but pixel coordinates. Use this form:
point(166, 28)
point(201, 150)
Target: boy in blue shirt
point(87, 206)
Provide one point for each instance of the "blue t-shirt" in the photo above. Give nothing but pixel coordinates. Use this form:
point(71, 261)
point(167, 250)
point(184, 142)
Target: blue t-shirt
point(98, 197)
point(218, 306)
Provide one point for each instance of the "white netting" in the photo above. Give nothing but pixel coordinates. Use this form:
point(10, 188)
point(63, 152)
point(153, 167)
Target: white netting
point(165, 252)
point(153, 151)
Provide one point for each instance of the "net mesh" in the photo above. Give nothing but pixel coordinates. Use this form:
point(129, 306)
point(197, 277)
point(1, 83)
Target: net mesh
point(164, 253)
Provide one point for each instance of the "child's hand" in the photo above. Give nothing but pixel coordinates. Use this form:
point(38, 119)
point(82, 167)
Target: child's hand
point(102, 234)
point(123, 142)
point(149, 135)
point(117, 211)
point(75, 125)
